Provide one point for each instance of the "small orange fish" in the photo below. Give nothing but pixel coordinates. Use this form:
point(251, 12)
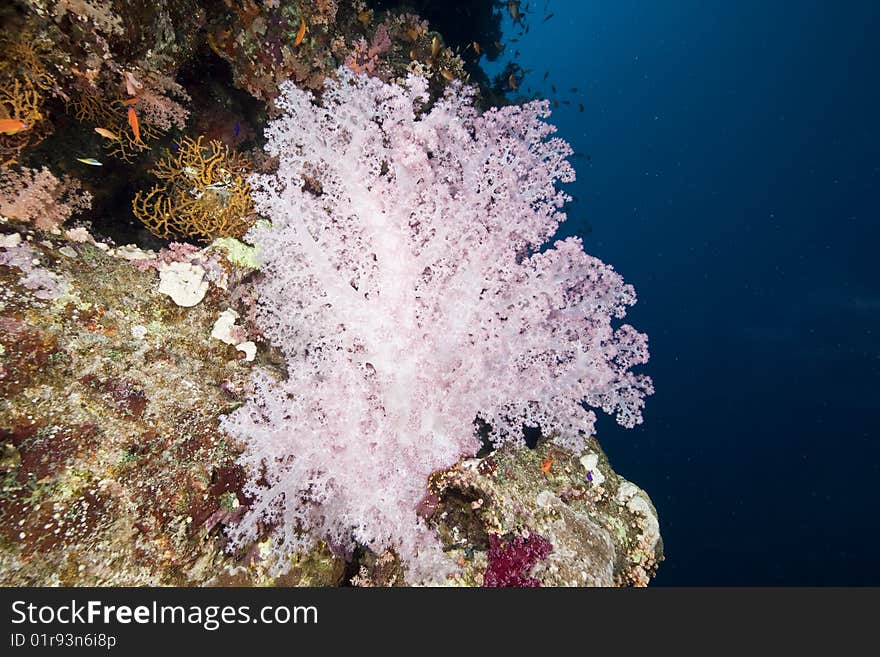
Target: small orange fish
point(104, 132)
point(477, 49)
point(436, 44)
point(131, 101)
point(301, 33)
point(449, 75)
point(545, 466)
point(12, 126)
point(133, 122)
point(365, 17)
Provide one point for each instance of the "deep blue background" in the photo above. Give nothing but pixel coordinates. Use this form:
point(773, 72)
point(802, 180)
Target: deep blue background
point(734, 180)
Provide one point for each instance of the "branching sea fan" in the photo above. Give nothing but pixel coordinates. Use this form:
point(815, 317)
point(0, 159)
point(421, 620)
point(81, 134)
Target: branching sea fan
point(406, 283)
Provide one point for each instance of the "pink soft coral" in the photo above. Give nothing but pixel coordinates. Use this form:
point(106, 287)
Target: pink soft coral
point(364, 57)
point(40, 198)
point(404, 281)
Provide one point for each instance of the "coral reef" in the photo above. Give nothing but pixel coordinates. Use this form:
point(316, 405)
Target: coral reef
point(304, 42)
point(595, 528)
point(108, 478)
point(264, 44)
point(303, 409)
point(86, 54)
point(87, 82)
point(507, 519)
point(111, 113)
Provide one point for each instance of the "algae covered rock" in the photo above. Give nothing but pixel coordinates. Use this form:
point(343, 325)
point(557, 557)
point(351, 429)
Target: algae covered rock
point(542, 517)
point(113, 470)
point(587, 525)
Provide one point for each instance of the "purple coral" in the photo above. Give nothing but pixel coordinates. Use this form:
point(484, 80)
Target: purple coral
point(42, 282)
point(511, 561)
point(406, 282)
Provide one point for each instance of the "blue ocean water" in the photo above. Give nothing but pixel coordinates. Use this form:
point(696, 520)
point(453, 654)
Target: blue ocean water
point(733, 177)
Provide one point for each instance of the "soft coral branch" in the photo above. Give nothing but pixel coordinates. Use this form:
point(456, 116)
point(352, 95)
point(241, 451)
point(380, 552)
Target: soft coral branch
point(406, 280)
point(40, 198)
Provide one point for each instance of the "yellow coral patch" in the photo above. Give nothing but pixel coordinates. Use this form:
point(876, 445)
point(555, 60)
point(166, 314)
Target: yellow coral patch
point(23, 81)
point(203, 193)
